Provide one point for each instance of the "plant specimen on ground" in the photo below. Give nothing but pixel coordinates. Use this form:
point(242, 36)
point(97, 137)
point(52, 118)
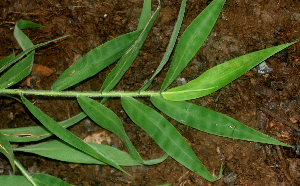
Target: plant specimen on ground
point(172, 102)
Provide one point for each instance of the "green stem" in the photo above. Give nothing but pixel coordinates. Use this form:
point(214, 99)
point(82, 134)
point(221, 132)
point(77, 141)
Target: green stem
point(24, 172)
point(77, 94)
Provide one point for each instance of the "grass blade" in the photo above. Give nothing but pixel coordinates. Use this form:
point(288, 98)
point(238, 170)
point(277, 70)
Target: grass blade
point(25, 52)
point(209, 121)
point(125, 62)
point(17, 72)
point(67, 136)
point(170, 46)
point(192, 39)
point(145, 15)
point(110, 121)
point(6, 149)
point(59, 150)
point(7, 180)
point(95, 61)
point(165, 135)
point(37, 133)
point(220, 75)
point(48, 180)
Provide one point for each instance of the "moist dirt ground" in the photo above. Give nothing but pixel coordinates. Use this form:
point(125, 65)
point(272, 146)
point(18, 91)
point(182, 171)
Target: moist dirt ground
point(266, 98)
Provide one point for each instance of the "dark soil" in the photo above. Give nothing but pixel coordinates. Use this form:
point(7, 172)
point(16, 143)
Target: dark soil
point(244, 26)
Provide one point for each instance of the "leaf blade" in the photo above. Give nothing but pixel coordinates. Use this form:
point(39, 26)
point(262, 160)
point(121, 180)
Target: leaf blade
point(36, 133)
point(17, 72)
point(170, 46)
point(165, 135)
point(59, 150)
point(220, 75)
point(6, 149)
point(21, 38)
point(145, 15)
point(95, 61)
point(25, 52)
point(192, 39)
point(14, 180)
point(48, 180)
point(127, 59)
point(209, 121)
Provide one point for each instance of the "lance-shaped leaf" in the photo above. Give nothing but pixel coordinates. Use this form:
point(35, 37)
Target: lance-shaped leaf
point(6, 149)
point(170, 46)
point(17, 72)
point(165, 135)
point(95, 61)
point(37, 133)
point(210, 121)
point(127, 59)
point(48, 180)
point(192, 39)
point(145, 15)
point(67, 136)
point(21, 38)
point(7, 180)
point(24, 67)
point(25, 52)
point(59, 150)
point(107, 119)
point(220, 75)
point(6, 60)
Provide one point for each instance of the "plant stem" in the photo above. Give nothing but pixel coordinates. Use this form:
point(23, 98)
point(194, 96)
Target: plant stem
point(77, 94)
point(24, 172)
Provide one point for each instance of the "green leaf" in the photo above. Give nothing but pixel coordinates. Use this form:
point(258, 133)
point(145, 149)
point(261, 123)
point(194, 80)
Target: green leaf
point(25, 52)
point(210, 121)
point(67, 136)
point(192, 39)
point(59, 150)
point(6, 149)
point(127, 59)
point(170, 46)
point(8, 180)
point(48, 180)
point(110, 121)
point(165, 135)
point(17, 72)
point(37, 133)
point(7, 59)
point(95, 61)
point(21, 38)
point(145, 15)
point(24, 67)
point(220, 75)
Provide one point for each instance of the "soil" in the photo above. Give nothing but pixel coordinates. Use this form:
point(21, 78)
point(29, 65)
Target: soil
point(266, 98)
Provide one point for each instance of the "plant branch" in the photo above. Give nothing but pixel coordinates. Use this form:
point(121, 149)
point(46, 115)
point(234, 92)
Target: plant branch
point(77, 94)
